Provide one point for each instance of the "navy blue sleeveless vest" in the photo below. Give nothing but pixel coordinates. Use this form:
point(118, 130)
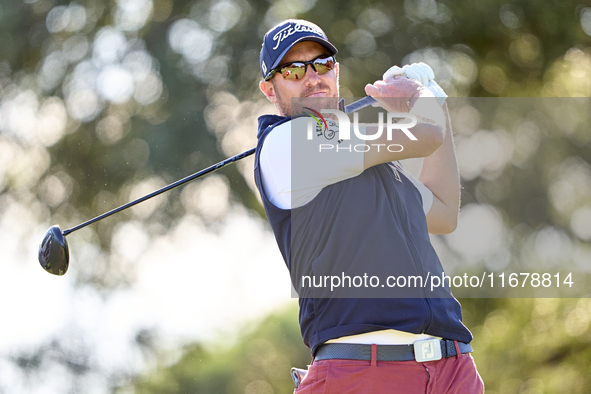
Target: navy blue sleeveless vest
point(372, 223)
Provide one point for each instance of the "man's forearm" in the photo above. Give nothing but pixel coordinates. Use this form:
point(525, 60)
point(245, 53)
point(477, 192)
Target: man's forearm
point(440, 174)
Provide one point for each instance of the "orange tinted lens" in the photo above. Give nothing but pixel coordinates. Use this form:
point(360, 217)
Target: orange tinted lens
point(294, 71)
point(324, 65)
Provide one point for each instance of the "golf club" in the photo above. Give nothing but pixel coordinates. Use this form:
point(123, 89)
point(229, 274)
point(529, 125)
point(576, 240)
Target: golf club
point(54, 254)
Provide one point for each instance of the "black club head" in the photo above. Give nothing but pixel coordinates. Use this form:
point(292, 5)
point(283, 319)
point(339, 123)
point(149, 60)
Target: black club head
point(54, 255)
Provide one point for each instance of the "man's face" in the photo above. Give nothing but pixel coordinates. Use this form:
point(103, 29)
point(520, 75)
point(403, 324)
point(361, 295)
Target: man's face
point(280, 91)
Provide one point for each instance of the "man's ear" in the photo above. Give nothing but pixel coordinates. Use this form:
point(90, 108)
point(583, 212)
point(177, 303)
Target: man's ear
point(268, 90)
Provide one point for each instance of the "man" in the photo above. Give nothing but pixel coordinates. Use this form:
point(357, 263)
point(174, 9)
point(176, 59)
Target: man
point(360, 211)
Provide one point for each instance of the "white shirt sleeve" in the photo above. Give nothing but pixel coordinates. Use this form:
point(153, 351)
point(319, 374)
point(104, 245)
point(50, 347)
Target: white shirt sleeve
point(317, 163)
point(275, 162)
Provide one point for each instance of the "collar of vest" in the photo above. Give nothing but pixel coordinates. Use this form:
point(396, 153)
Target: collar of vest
point(269, 120)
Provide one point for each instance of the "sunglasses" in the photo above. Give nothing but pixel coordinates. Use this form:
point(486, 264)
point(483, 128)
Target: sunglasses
point(296, 70)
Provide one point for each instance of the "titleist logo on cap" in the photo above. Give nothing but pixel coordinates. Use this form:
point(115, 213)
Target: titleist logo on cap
point(289, 30)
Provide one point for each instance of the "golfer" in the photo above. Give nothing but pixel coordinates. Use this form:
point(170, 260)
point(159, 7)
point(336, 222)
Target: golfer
point(359, 211)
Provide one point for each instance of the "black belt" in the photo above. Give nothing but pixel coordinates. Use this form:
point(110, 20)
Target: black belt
point(350, 351)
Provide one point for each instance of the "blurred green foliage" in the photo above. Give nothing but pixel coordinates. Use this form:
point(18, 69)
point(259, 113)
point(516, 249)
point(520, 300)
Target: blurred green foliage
point(530, 345)
point(258, 362)
point(101, 97)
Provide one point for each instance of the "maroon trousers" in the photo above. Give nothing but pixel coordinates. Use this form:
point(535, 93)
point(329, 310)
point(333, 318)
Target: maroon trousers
point(452, 375)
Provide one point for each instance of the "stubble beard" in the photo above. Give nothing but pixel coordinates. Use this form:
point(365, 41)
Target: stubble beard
point(291, 108)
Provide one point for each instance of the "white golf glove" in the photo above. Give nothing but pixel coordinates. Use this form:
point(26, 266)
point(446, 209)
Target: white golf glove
point(422, 73)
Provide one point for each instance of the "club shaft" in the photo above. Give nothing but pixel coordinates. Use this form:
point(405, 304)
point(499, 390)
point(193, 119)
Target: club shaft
point(164, 189)
point(356, 106)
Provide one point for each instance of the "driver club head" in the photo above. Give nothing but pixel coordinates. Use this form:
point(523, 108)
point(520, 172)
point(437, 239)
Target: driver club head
point(54, 255)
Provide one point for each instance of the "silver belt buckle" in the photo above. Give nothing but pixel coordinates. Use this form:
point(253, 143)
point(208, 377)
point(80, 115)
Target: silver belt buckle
point(427, 350)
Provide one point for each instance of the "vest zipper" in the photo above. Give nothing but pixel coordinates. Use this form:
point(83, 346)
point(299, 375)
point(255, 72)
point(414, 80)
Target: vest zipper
point(401, 212)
